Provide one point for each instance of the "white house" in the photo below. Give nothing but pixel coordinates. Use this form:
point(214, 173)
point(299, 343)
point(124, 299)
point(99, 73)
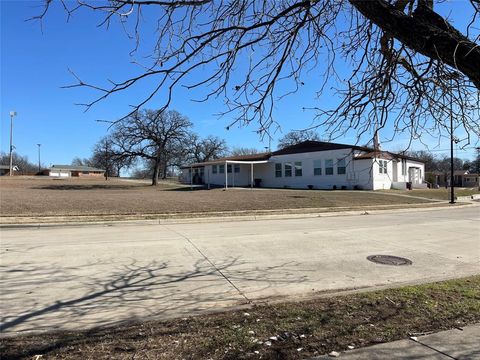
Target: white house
point(311, 164)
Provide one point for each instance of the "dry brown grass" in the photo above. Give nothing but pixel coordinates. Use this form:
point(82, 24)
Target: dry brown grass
point(28, 196)
point(301, 329)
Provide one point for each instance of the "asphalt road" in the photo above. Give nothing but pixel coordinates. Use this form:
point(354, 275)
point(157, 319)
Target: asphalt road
point(73, 277)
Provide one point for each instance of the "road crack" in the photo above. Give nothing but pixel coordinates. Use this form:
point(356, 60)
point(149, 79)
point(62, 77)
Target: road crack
point(211, 263)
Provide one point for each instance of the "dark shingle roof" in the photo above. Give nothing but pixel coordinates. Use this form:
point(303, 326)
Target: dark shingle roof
point(312, 146)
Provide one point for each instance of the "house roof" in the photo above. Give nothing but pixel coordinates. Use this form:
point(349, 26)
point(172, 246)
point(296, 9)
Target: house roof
point(75, 168)
point(376, 154)
point(310, 146)
point(249, 157)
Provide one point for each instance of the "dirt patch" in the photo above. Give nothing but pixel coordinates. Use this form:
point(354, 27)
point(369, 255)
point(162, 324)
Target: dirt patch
point(50, 197)
point(291, 330)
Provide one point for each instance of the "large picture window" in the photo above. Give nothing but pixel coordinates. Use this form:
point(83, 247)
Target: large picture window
point(221, 169)
point(298, 168)
point(288, 169)
point(317, 167)
point(329, 167)
point(341, 169)
point(229, 168)
point(278, 170)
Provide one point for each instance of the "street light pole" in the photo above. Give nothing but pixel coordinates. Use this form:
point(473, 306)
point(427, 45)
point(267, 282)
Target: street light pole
point(39, 168)
point(452, 195)
point(12, 114)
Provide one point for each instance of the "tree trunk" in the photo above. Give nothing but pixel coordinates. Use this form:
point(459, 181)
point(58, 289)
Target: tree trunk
point(426, 32)
point(156, 172)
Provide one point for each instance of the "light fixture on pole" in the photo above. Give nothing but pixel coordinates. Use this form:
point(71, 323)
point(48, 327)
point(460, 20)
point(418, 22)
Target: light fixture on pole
point(39, 157)
point(12, 114)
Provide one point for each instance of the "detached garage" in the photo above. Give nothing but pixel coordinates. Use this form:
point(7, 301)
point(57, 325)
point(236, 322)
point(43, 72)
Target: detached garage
point(65, 171)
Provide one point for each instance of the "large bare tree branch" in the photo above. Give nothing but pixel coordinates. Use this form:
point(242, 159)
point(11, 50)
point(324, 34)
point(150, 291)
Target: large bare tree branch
point(409, 65)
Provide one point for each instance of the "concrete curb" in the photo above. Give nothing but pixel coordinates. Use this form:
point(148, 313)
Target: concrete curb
point(160, 219)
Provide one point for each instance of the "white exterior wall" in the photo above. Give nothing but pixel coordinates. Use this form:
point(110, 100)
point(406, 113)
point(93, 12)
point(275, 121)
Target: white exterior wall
point(409, 164)
point(382, 181)
point(364, 173)
point(361, 173)
point(234, 179)
point(323, 181)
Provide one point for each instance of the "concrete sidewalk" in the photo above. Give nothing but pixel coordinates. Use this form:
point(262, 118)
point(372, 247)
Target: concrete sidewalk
point(459, 344)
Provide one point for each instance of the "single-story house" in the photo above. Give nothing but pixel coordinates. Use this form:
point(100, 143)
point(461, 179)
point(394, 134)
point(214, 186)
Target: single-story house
point(461, 178)
point(312, 164)
point(5, 169)
point(65, 171)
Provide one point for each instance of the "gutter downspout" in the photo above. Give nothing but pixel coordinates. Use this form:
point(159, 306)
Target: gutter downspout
point(251, 176)
point(226, 175)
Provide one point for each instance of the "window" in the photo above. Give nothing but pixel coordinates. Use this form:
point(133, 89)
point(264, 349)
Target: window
point(236, 168)
point(404, 167)
point(229, 168)
point(288, 169)
point(221, 169)
point(214, 169)
point(341, 166)
point(317, 167)
point(298, 168)
point(382, 166)
point(278, 170)
point(329, 167)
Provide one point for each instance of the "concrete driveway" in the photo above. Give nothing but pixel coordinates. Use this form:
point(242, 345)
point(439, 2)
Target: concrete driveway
point(72, 277)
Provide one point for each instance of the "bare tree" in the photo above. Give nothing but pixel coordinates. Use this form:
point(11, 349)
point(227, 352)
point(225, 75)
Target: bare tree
point(153, 136)
point(409, 65)
point(209, 148)
point(239, 151)
point(107, 156)
point(296, 137)
point(25, 167)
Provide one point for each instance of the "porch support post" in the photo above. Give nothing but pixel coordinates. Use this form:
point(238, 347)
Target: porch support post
point(226, 175)
point(251, 176)
point(191, 177)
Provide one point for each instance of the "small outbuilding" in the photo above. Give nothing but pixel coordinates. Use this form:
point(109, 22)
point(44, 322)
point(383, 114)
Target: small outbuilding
point(65, 171)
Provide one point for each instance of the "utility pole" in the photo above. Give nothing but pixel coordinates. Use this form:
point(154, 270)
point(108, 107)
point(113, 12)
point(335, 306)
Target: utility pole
point(452, 194)
point(39, 167)
point(12, 114)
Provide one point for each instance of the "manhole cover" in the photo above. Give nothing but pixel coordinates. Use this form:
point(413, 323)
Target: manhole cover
point(389, 260)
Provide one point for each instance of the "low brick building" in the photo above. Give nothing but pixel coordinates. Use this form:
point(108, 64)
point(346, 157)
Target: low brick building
point(75, 171)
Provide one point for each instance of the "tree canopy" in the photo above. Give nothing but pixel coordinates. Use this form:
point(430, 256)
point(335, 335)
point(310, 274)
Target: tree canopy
point(296, 137)
point(409, 66)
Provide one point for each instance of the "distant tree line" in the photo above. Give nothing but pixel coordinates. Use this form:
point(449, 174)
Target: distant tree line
point(434, 163)
point(25, 167)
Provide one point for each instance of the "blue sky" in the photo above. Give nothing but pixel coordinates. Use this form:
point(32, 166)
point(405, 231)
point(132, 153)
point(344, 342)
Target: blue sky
point(34, 66)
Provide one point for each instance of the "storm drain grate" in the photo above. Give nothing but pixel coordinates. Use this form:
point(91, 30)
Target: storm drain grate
point(389, 260)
